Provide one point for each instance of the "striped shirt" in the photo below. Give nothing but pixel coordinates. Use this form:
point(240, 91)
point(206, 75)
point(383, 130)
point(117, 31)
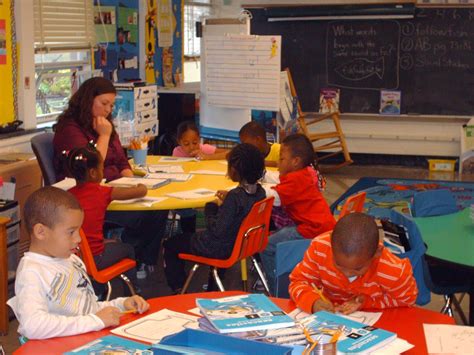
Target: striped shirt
point(388, 282)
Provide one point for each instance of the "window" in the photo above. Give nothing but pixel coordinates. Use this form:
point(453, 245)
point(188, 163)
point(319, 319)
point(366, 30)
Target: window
point(64, 38)
point(194, 11)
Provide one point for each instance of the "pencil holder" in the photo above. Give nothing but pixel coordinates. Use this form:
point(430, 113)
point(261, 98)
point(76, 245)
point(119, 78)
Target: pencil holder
point(139, 156)
point(325, 349)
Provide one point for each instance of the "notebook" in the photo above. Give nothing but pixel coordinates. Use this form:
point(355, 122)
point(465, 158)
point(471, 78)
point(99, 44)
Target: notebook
point(149, 183)
point(170, 176)
point(192, 194)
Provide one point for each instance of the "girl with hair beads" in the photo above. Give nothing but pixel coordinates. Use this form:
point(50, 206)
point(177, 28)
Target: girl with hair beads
point(87, 167)
point(299, 196)
point(245, 166)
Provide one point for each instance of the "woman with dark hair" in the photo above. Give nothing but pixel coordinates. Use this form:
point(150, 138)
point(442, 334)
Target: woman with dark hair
point(89, 117)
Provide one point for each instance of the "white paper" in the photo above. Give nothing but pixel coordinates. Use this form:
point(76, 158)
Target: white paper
point(177, 159)
point(149, 183)
point(369, 318)
point(208, 172)
point(195, 311)
point(155, 326)
point(143, 201)
point(243, 71)
point(157, 168)
point(449, 339)
point(192, 194)
point(8, 190)
point(169, 176)
point(65, 184)
point(395, 347)
point(271, 177)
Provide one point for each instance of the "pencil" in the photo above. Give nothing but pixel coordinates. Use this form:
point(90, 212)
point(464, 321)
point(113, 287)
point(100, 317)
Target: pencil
point(129, 311)
point(320, 293)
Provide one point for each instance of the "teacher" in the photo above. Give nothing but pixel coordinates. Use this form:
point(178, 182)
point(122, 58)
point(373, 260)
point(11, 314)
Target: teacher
point(89, 117)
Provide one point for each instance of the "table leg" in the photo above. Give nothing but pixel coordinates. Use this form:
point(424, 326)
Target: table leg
point(471, 304)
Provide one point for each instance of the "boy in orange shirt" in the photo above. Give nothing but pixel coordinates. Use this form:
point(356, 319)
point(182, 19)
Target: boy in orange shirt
point(349, 269)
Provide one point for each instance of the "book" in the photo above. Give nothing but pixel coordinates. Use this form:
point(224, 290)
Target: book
point(177, 177)
point(390, 102)
point(112, 344)
point(328, 100)
point(356, 337)
point(177, 159)
point(192, 194)
point(160, 168)
point(143, 201)
point(243, 313)
point(149, 183)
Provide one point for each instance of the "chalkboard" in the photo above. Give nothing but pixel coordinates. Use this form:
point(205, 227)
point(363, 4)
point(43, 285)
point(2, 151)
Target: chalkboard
point(430, 59)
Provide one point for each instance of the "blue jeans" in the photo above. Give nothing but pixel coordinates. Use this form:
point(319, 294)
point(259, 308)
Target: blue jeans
point(268, 255)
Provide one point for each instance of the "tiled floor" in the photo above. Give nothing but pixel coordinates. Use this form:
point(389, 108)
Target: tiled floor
point(338, 182)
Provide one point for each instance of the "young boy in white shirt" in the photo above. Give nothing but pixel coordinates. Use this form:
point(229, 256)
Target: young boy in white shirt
point(54, 296)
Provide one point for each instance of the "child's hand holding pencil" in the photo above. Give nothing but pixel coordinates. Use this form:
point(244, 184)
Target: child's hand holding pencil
point(323, 303)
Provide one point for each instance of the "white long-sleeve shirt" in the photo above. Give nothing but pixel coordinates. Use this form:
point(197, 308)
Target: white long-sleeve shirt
point(54, 297)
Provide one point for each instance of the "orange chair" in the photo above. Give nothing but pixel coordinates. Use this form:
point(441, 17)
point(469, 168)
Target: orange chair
point(252, 238)
point(354, 203)
point(105, 275)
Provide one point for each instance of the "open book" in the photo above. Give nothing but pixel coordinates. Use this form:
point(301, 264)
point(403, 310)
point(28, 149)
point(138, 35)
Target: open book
point(192, 194)
point(149, 183)
point(170, 176)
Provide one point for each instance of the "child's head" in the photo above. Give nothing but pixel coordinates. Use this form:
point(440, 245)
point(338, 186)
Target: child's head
point(245, 164)
point(355, 243)
point(53, 218)
point(84, 164)
point(254, 134)
point(188, 136)
point(296, 153)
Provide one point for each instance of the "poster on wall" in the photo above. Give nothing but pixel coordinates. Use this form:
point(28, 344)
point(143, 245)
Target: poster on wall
point(105, 24)
point(127, 31)
point(3, 43)
point(165, 23)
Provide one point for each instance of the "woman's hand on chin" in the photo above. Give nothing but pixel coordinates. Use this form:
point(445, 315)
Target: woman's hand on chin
point(102, 126)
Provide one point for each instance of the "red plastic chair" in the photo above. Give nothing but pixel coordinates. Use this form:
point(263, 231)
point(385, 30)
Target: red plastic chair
point(354, 203)
point(105, 275)
point(252, 238)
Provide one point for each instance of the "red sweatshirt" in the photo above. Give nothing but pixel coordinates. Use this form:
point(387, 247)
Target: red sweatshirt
point(304, 203)
point(389, 281)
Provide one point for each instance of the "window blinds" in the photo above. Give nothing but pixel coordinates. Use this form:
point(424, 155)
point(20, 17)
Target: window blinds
point(62, 25)
point(194, 11)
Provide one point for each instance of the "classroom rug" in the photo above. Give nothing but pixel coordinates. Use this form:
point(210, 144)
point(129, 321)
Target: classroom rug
point(384, 194)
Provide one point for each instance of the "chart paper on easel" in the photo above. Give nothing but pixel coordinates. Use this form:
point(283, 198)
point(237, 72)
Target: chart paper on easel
point(243, 71)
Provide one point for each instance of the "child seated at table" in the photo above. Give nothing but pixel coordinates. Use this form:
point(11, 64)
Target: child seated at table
point(253, 133)
point(299, 197)
point(349, 269)
point(245, 166)
point(86, 165)
point(189, 140)
point(54, 296)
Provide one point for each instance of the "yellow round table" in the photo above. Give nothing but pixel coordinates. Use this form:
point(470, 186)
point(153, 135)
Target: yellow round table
point(211, 182)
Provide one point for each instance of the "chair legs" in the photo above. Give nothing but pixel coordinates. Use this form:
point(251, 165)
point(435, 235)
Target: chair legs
point(244, 276)
point(129, 284)
point(217, 279)
point(109, 291)
point(261, 275)
point(190, 276)
point(450, 300)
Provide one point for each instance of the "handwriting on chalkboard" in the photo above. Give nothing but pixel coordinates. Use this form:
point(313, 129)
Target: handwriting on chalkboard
point(359, 55)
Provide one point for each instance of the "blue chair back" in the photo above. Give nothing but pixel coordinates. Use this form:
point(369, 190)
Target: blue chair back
point(415, 255)
point(42, 145)
point(287, 256)
point(433, 203)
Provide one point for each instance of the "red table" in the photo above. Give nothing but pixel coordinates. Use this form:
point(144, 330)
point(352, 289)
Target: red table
point(406, 322)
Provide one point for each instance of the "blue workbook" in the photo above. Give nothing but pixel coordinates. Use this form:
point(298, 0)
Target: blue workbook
point(112, 344)
point(355, 337)
point(243, 313)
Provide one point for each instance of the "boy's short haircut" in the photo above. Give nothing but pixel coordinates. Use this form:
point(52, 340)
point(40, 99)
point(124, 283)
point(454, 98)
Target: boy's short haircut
point(300, 146)
point(253, 129)
point(356, 234)
point(44, 206)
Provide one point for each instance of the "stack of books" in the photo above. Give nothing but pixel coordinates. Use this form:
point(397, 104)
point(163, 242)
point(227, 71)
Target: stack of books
point(396, 237)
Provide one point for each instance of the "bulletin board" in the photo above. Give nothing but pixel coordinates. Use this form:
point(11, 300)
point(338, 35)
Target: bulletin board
point(164, 42)
point(8, 65)
point(116, 27)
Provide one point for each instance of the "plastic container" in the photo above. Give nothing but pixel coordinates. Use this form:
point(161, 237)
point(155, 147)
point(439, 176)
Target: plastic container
point(441, 164)
point(139, 156)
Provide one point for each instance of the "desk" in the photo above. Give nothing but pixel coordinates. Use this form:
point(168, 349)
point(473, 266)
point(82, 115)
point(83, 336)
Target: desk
point(450, 238)
point(406, 322)
point(212, 182)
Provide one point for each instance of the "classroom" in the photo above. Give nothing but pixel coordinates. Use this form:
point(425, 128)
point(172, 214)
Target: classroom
point(297, 173)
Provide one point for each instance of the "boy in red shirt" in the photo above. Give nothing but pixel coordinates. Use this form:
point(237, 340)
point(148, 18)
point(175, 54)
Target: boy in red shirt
point(300, 198)
point(349, 269)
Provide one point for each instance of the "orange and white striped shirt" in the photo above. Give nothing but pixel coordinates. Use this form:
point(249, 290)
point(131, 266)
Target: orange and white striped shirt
point(388, 282)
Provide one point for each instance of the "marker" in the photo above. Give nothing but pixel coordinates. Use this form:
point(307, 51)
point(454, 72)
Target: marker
point(129, 311)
